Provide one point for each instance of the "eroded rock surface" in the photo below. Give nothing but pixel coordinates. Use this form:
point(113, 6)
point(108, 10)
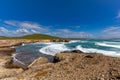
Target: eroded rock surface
point(73, 66)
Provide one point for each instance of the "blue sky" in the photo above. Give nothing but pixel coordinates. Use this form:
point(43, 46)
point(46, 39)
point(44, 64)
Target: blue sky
point(64, 18)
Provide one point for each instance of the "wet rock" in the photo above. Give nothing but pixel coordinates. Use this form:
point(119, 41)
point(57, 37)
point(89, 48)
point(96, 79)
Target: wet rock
point(74, 51)
point(66, 52)
point(77, 51)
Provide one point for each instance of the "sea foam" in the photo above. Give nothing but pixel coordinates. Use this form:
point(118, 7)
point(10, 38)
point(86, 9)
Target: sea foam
point(74, 41)
point(108, 45)
point(104, 52)
point(53, 49)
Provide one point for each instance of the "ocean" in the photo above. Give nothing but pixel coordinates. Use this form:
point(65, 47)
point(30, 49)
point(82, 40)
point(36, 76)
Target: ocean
point(26, 53)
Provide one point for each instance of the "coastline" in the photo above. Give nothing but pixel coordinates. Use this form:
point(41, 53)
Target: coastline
point(7, 48)
point(66, 65)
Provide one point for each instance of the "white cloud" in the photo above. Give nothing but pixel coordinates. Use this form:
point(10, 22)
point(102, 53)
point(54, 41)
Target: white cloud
point(71, 34)
point(77, 26)
point(118, 16)
point(64, 30)
point(111, 29)
point(4, 30)
point(13, 23)
point(22, 31)
point(29, 25)
point(111, 32)
point(18, 32)
point(26, 27)
point(34, 31)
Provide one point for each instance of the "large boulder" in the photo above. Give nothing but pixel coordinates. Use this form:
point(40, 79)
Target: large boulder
point(64, 56)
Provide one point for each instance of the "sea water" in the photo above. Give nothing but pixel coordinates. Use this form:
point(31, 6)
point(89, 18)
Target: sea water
point(26, 53)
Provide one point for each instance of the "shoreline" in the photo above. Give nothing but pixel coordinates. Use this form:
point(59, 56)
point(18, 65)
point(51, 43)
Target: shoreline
point(7, 46)
point(66, 65)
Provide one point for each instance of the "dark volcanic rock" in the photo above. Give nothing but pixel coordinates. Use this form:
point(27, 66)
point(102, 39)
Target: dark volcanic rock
point(60, 40)
point(77, 51)
point(17, 44)
point(74, 51)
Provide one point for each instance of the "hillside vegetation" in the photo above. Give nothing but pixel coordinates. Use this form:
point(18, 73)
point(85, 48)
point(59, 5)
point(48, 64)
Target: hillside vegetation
point(32, 36)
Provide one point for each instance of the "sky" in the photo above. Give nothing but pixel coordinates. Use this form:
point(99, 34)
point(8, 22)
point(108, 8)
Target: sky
point(63, 18)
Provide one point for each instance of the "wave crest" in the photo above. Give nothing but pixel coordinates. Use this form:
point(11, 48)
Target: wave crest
point(53, 49)
point(108, 45)
point(92, 50)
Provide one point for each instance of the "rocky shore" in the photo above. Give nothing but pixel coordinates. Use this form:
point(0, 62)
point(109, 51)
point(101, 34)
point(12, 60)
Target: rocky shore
point(73, 65)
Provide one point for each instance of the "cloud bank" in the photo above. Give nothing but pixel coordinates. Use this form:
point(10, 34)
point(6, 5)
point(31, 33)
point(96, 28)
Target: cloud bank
point(20, 28)
point(26, 27)
point(111, 32)
point(118, 16)
point(71, 34)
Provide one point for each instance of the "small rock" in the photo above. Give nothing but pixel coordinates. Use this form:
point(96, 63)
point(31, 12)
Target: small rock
point(89, 56)
point(77, 51)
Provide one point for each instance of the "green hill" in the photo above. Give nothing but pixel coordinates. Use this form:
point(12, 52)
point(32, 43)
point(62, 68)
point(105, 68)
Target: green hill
point(3, 37)
point(32, 36)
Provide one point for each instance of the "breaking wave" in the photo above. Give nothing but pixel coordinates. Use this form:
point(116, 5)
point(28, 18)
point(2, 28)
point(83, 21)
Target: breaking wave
point(74, 41)
point(108, 45)
point(53, 49)
point(104, 52)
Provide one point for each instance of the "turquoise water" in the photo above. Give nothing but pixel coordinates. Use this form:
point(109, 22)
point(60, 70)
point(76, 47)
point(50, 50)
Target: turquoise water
point(26, 53)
